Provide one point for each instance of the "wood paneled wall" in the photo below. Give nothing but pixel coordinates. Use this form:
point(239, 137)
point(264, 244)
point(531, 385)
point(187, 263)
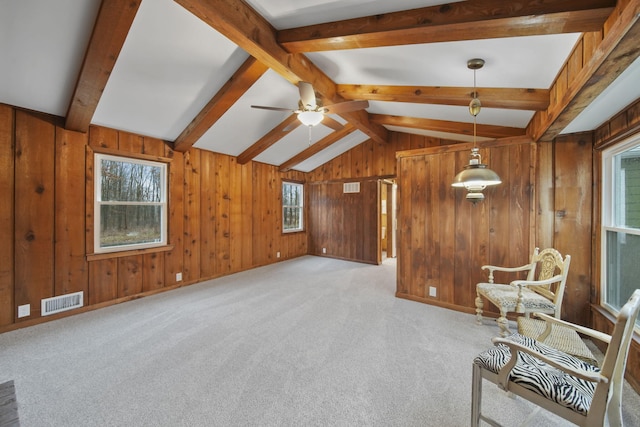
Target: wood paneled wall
point(223, 217)
point(443, 238)
point(572, 194)
point(371, 159)
point(544, 201)
point(346, 225)
point(620, 127)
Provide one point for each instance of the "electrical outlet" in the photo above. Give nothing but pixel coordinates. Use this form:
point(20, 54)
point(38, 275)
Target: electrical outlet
point(178, 277)
point(324, 250)
point(277, 254)
point(24, 310)
point(432, 291)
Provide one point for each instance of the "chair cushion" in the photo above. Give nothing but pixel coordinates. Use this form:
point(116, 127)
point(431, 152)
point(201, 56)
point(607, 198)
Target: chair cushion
point(541, 378)
point(506, 296)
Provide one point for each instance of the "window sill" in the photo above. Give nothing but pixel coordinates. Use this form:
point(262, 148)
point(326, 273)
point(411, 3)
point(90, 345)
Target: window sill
point(612, 318)
point(293, 231)
point(120, 254)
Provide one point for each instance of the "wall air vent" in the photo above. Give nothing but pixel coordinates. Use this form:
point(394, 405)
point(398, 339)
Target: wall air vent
point(62, 303)
point(351, 187)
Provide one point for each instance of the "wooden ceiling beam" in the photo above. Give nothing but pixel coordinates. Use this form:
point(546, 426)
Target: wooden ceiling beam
point(248, 73)
point(273, 136)
point(618, 49)
point(460, 128)
point(508, 98)
point(109, 33)
point(315, 148)
point(237, 21)
point(467, 20)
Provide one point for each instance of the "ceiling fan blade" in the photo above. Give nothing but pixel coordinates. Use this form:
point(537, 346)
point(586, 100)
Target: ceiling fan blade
point(345, 107)
point(333, 124)
point(307, 96)
point(262, 107)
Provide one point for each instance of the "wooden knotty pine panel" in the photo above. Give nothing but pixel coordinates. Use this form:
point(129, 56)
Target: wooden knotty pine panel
point(7, 306)
point(34, 210)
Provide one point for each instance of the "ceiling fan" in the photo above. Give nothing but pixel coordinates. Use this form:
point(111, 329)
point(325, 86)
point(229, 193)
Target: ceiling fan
point(311, 113)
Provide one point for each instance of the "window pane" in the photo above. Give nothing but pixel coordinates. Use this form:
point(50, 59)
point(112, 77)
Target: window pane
point(130, 182)
point(130, 224)
point(622, 267)
point(291, 218)
point(627, 189)
point(292, 210)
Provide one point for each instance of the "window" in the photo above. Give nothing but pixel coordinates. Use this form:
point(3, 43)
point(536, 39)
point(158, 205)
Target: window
point(130, 210)
point(292, 207)
point(620, 223)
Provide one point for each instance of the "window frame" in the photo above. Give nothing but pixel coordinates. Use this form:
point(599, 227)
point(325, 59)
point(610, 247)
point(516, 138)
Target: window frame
point(97, 202)
point(609, 220)
point(300, 206)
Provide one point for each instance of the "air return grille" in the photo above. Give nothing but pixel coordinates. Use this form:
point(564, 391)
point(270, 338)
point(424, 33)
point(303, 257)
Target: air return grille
point(351, 187)
point(62, 303)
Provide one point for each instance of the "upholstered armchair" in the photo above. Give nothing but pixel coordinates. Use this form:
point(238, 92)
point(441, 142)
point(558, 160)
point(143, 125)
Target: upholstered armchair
point(541, 294)
point(577, 391)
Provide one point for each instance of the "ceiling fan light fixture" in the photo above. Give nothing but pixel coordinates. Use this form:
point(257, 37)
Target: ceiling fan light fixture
point(310, 118)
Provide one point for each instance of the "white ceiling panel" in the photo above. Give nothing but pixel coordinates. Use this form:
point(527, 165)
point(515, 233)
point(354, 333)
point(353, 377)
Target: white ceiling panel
point(434, 134)
point(488, 116)
point(294, 142)
point(296, 13)
point(169, 68)
point(621, 93)
point(42, 45)
point(241, 125)
point(333, 151)
point(509, 62)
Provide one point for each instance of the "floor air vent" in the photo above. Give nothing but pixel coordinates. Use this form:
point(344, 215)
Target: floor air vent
point(62, 303)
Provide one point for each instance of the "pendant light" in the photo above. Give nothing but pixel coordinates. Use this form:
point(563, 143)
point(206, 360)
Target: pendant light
point(476, 176)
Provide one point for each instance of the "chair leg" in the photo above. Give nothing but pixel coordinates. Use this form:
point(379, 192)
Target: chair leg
point(613, 415)
point(476, 396)
point(479, 307)
point(504, 324)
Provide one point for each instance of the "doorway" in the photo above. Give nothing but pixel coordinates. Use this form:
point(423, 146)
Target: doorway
point(388, 221)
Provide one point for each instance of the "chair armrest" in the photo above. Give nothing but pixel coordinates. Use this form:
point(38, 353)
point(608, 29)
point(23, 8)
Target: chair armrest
point(493, 268)
point(503, 375)
point(520, 283)
point(507, 269)
point(581, 329)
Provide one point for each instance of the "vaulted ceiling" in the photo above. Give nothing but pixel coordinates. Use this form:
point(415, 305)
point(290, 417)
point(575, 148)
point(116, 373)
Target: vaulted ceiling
point(188, 71)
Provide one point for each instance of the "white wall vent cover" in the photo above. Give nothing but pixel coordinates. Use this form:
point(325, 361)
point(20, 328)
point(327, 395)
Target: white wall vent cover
point(62, 303)
point(351, 187)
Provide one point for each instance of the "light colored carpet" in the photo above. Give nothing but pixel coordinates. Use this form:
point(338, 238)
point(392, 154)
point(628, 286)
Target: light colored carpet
point(306, 342)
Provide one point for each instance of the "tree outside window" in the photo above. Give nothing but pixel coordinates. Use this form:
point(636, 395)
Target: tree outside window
point(621, 223)
point(130, 204)
point(292, 207)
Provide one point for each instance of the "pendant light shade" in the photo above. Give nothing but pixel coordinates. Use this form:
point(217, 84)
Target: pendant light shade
point(476, 176)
